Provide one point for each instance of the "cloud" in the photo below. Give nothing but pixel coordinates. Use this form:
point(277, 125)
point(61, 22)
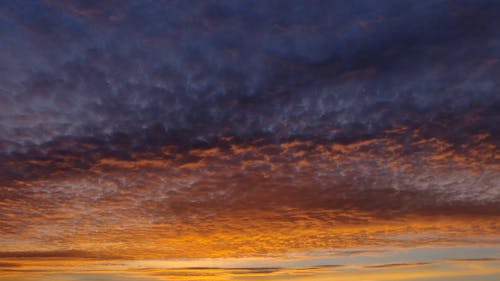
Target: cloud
point(53, 254)
point(343, 86)
point(260, 194)
point(9, 264)
point(251, 128)
point(476, 260)
point(389, 265)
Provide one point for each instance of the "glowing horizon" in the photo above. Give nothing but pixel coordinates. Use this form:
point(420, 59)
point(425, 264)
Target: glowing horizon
point(249, 140)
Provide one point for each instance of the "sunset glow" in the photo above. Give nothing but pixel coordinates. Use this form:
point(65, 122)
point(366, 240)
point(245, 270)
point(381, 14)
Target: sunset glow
point(249, 140)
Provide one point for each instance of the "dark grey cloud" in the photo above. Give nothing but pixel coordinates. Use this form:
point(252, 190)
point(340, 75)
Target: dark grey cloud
point(201, 70)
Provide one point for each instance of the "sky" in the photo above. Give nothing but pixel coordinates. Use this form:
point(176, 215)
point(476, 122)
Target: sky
point(249, 140)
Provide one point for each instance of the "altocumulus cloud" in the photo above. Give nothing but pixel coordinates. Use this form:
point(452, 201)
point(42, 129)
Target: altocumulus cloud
point(213, 122)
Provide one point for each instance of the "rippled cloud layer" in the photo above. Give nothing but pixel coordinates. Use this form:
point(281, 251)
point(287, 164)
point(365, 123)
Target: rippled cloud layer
point(237, 129)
